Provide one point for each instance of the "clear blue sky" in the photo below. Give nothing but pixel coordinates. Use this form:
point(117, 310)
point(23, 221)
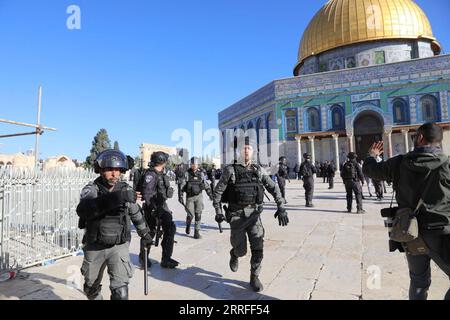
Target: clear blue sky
point(142, 68)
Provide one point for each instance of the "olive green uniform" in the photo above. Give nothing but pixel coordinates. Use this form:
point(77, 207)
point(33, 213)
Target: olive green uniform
point(193, 185)
point(106, 219)
point(245, 219)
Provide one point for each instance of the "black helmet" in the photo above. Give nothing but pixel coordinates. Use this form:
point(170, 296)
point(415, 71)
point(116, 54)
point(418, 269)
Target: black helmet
point(307, 156)
point(111, 159)
point(352, 156)
point(195, 160)
point(159, 158)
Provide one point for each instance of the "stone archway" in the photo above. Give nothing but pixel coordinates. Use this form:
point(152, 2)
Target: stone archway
point(368, 128)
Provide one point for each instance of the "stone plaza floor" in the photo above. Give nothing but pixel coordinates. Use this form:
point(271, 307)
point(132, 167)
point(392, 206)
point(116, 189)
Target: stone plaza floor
point(325, 253)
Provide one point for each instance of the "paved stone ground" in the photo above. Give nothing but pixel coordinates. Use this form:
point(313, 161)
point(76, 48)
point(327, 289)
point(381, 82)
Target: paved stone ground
point(324, 253)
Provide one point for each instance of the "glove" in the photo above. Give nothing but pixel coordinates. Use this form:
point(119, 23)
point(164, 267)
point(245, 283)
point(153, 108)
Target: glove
point(282, 216)
point(129, 196)
point(146, 240)
point(219, 216)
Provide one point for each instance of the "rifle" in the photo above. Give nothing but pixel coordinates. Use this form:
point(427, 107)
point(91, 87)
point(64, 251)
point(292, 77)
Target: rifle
point(266, 196)
point(145, 271)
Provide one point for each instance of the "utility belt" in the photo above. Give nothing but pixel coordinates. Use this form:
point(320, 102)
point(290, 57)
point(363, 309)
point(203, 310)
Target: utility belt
point(242, 212)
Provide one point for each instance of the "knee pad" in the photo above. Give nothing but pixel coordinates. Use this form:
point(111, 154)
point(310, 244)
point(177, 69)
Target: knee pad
point(92, 293)
point(120, 293)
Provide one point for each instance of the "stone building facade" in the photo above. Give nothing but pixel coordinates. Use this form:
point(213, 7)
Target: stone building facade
point(348, 94)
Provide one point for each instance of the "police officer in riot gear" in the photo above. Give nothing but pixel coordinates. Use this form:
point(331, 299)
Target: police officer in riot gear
point(242, 187)
point(193, 185)
point(307, 172)
point(353, 179)
point(421, 181)
point(156, 190)
point(282, 175)
point(106, 207)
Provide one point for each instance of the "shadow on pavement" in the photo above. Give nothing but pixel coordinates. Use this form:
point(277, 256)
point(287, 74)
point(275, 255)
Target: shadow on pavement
point(209, 283)
point(28, 286)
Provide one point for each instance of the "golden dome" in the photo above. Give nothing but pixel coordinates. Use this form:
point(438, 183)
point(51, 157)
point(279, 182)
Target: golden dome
point(344, 22)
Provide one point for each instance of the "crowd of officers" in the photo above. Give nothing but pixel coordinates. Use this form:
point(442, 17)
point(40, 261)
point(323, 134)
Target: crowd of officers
point(108, 205)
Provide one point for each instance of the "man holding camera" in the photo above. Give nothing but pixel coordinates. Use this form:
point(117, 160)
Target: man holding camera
point(424, 187)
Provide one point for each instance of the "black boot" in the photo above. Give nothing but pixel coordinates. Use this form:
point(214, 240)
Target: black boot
point(93, 293)
point(256, 284)
point(197, 234)
point(120, 293)
point(418, 293)
point(188, 224)
point(234, 262)
point(169, 263)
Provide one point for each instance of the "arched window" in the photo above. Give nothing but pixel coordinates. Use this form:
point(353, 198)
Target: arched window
point(400, 110)
point(429, 108)
point(313, 119)
point(337, 117)
point(291, 121)
point(259, 126)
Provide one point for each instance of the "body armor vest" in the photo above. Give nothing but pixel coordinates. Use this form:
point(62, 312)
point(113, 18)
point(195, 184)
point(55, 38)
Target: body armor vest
point(307, 170)
point(194, 185)
point(114, 228)
point(247, 190)
point(163, 189)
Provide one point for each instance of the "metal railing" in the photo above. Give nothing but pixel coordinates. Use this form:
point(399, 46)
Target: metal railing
point(38, 220)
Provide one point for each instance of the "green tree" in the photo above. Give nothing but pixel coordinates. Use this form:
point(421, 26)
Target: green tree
point(116, 146)
point(100, 143)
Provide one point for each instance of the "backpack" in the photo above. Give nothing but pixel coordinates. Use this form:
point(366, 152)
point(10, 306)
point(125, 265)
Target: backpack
point(349, 171)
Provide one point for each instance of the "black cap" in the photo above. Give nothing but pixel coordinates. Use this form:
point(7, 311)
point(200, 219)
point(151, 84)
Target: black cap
point(307, 156)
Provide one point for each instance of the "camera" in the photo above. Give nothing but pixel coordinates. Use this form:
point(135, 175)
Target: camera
point(389, 214)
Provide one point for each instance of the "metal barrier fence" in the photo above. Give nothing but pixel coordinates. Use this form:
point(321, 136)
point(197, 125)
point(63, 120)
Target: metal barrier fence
point(38, 219)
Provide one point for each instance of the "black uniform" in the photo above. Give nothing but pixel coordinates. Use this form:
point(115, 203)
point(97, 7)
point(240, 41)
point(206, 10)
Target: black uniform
point(307, 171)
point(212, 177)
point(155, 192)
point(352, 177)
point(331, 173)
point(282, 175)
point(297, 170)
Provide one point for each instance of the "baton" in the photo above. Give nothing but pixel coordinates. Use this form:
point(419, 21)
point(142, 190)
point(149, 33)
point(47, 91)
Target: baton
point(145, 271)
